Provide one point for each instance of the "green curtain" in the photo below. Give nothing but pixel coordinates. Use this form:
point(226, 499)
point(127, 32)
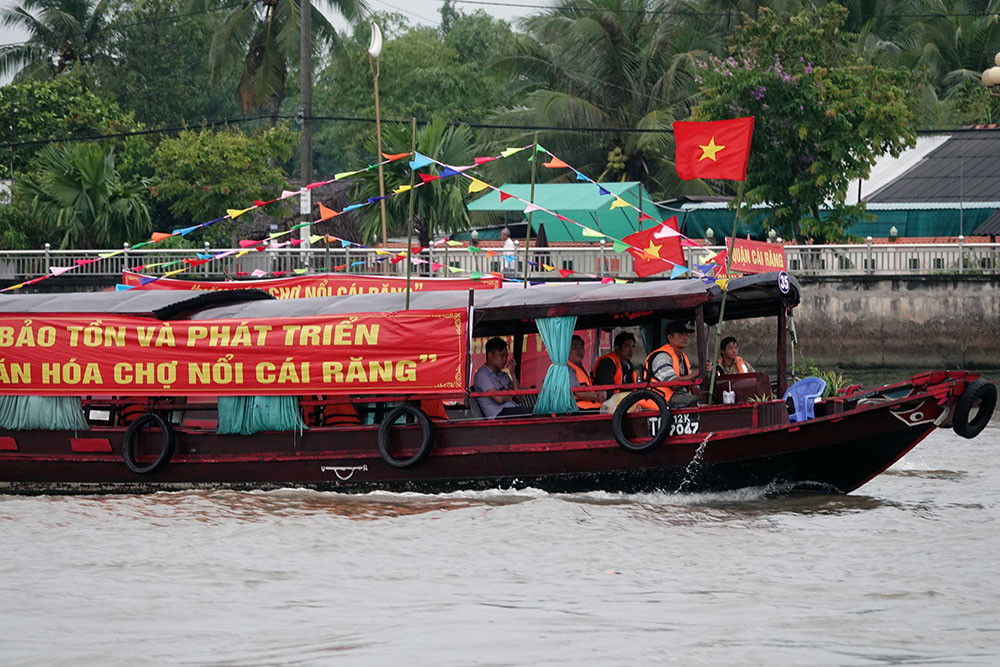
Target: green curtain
point(556, 395)
point(245, 415)
point(51, 413)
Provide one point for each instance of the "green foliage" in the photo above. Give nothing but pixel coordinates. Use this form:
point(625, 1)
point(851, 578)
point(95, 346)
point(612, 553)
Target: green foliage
point(62, 107)
point(477, 37)
point(77, 198)
point(16, 230)
point(608, 63)
point(262, 37)
point(823, 115)
point(954, 42)
point(835, 380)
point(439, 206)
point(422, 75)
point(448, 16)
point(64, 36)
point(159, 49)
point(201, 174)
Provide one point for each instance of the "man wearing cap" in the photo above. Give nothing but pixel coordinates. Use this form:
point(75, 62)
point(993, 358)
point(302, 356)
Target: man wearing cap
point(668, 363)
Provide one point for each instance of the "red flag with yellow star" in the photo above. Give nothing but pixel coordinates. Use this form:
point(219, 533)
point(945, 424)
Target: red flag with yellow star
point(656, 249)
point(717, 149)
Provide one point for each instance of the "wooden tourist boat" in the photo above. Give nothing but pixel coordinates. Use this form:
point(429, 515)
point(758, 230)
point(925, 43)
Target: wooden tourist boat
point(116, 351)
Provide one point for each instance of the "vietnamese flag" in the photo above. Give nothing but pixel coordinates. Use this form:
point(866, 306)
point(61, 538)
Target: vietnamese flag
point(656, 249)
point(717, 149)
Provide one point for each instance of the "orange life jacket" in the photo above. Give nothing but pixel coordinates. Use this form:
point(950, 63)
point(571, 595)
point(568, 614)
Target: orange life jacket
point(739, 365)
point(613, 358)
point(434, 408)
point(619, 377)
point(334, 412)
point(675, 362)
point(584, 379)
point(132, 409)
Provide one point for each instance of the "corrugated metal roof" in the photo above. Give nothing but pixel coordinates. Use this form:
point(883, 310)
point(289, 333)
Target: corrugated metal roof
point(888, 168)
point(989, 226)
point(962, 169)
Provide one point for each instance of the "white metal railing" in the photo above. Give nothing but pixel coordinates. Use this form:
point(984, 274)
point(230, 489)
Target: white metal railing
point(809, 260)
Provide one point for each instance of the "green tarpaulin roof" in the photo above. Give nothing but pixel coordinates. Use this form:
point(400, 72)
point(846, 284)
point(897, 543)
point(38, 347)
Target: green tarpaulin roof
point(581, 202)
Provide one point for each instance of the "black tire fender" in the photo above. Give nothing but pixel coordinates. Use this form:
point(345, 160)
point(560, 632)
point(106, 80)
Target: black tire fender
point(426, 444)
point(983, 391)
point(128, 444)
point(617, 422)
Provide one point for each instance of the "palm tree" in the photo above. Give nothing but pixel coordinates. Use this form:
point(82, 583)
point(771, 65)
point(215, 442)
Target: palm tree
point(629, 64)
point(78, 194)
point(439, 206)
point(954, 40)
point(63, 34)
point(264, 34)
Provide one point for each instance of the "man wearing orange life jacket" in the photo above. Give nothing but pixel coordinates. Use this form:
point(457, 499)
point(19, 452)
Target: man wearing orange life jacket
point(731, 362)
point(585, 400)
point(616, 367)
point(668, 363)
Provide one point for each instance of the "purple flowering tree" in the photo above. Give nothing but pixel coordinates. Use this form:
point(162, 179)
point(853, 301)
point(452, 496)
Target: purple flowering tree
point(823, 116)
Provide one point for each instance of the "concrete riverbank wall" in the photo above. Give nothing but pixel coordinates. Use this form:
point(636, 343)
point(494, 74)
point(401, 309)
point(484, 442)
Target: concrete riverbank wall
point(907, 322)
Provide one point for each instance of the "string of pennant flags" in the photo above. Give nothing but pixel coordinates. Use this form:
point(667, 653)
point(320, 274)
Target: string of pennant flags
point(703, 271)
point(706, 271)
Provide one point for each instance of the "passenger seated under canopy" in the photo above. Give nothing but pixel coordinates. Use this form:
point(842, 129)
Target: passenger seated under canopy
point(492, 376)
point(585, 400)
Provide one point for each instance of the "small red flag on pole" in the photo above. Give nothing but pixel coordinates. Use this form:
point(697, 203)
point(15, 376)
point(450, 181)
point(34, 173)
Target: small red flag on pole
point(716, 149)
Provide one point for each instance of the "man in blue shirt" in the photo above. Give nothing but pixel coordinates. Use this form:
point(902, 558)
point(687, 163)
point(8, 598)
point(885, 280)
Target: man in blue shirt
point(491, 377)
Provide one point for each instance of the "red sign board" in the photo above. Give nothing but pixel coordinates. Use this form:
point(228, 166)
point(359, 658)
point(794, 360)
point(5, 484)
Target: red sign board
point(316, 285)
point(756, 257)
point(374, 353)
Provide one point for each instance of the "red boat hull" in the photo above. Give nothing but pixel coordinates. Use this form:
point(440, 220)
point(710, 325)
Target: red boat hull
point(749, 445)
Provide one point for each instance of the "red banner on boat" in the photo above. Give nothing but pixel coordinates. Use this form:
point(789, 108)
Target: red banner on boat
point(756, 257)
point(366, 353)
point(316, 285)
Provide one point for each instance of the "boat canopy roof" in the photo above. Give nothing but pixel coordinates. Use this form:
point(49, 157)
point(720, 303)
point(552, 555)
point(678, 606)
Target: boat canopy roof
point(503, 311)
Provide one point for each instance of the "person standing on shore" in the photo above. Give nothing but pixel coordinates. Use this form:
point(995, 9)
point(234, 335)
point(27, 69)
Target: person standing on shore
point(509, 254)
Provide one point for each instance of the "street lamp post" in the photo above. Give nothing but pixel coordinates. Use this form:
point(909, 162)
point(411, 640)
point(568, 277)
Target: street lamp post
point(374, 51)
point(305, 149)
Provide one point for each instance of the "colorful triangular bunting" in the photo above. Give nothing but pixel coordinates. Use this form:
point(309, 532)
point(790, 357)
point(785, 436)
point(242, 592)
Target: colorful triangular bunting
point(419, 160)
